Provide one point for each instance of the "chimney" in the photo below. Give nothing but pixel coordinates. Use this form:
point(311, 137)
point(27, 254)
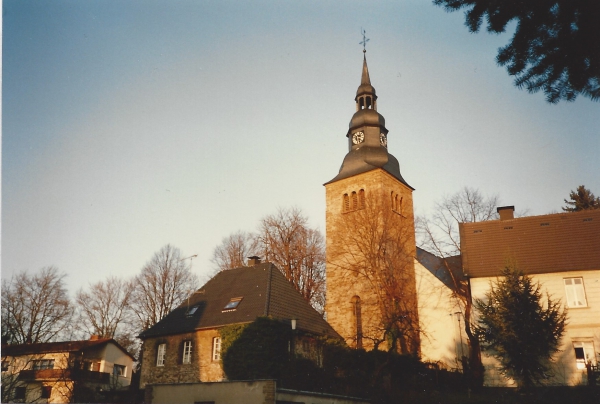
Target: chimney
point(254, 260)
point(506, 212)
point(94, 337)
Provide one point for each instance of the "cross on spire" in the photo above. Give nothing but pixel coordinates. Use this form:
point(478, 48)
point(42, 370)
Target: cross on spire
point(364, 41)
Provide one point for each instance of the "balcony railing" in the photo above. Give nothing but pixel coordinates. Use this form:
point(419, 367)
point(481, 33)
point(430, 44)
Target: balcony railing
point(65, 374)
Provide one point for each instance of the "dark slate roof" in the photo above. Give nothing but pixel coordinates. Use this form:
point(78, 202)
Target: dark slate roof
point(556, 242)
point(441, 267)
point(264, 291)
point(55, 347)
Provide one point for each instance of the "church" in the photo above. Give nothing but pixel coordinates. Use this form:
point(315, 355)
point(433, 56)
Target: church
point(382, 291)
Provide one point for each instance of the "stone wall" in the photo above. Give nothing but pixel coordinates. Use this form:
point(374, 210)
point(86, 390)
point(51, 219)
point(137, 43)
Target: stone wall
point(380, 188)
point(201, 369)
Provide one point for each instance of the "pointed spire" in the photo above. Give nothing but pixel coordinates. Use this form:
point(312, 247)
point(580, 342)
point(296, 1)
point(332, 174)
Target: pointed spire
point(365, 79)
point(365, 95)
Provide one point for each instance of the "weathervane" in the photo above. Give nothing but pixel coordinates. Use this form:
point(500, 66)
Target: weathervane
point(364, 41)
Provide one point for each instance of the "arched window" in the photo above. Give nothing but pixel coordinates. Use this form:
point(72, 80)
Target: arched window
point(399, 208)
point(369, 102)
point(361, 102)
point(346, 203)
point(357, 321)
point(354, 201)
point(361, 199)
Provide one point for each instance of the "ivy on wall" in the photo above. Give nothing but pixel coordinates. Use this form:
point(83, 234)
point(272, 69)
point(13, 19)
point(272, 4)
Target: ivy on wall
point(259, 350)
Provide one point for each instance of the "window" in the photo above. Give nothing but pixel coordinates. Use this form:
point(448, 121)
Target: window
point(46, 391)
point(216, 349)
point(191, 311)
point(575, 292)
point(346, 203)
point(42, 364)
point(119, 370)
point(92, 366)
point(233, 304)
point(354, 201)
point(187, 352)
point(357, 317)
point(361, 199)
point(584, 353)
point(160, 355)
point(20, 393)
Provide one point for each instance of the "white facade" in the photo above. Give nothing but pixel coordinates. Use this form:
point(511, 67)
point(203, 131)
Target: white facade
point(579, 292)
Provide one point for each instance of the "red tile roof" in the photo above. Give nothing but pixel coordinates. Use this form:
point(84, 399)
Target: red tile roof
point(537, 244)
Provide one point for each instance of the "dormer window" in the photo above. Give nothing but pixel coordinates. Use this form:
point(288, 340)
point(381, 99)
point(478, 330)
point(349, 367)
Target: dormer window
point(191, 311)
point(233, 304)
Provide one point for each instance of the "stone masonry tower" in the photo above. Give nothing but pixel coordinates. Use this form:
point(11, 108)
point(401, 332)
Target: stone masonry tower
point(371, 293)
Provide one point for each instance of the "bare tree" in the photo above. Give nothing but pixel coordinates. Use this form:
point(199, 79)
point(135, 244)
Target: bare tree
point(440, 236)
point(374, 256)
point(163, 284)
point(104, 310)
point(35, 308)
point(233, 251)
point(297, 250)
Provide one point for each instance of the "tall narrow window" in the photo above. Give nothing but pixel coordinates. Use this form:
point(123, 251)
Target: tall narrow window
point(354, 201)
point(216, 349)
point(346, 203)
point(187, 352)
point(161, 352)
point(361, 199)
point(575, 292)
point(357, 317)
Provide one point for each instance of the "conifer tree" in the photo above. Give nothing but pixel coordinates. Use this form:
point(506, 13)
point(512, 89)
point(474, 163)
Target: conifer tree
point(554, 48)
point(520, 327)
point(581, 199)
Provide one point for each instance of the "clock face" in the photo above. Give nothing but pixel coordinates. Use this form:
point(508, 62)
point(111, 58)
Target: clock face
point(358, 137)
point(383, 139)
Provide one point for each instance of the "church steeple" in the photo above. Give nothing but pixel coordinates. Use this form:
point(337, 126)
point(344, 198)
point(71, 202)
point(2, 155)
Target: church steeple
point(365, 95)
point(367, 135)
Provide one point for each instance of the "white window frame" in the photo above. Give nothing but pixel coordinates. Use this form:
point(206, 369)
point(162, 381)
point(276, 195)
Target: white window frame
point(119, 370)
point(187, 352)
point(575, 292)
point(588, 352)
point(216, 349)
point(161, 353)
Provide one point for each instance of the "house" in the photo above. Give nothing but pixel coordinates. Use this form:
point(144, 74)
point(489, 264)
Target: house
point(560, 251)
point(184, 347)
point(58, 371)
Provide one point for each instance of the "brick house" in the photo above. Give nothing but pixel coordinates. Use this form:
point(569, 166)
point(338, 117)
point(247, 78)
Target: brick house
point(184, 347)
point(57, 371)
point(561, 252)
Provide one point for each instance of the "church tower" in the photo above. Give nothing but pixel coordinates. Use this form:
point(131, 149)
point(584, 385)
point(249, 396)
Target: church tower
point(371, 292)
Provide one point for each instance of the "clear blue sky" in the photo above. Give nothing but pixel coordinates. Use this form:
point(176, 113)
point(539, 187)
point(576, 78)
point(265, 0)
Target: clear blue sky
point(130, 125)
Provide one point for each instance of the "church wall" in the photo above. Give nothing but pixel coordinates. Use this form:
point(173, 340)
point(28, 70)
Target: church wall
point(443, 338)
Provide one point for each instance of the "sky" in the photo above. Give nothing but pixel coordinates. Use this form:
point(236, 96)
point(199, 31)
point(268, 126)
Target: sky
point(127, 126)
